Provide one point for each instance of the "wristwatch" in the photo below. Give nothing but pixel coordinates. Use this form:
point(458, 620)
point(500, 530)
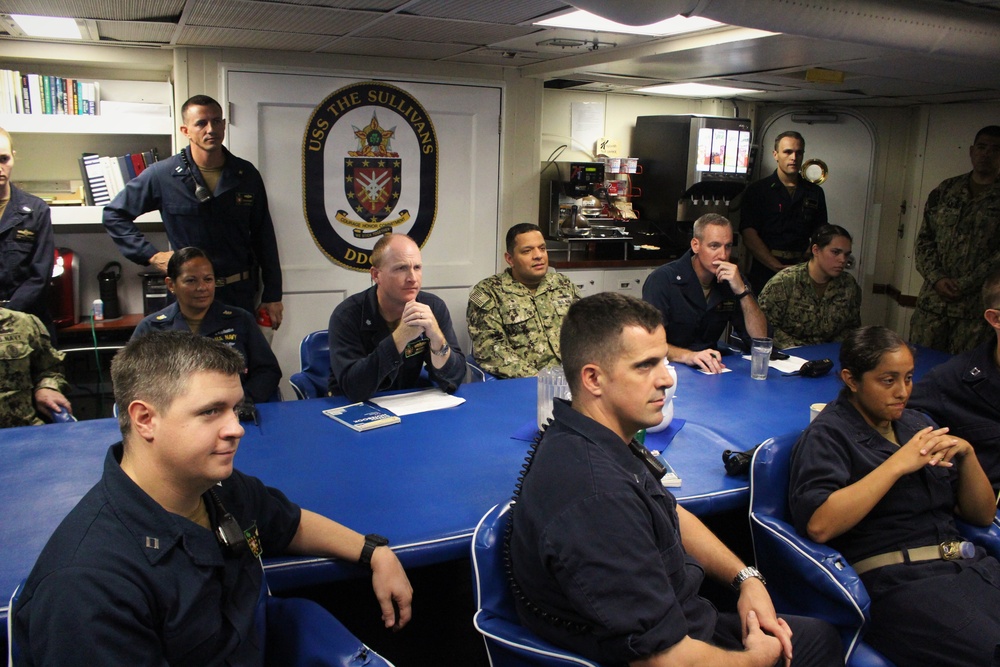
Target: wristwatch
point(442, 352)
point(747, 573)
point(372, 541)
point(746, 292)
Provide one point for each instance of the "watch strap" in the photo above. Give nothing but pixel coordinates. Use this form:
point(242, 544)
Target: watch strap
point(372, 542)
point(442, 352)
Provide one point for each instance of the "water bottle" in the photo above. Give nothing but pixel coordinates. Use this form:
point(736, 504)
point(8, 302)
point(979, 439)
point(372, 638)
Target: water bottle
point(98, 310)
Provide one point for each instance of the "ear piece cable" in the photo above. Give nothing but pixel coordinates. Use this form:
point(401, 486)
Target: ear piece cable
point(201, 193)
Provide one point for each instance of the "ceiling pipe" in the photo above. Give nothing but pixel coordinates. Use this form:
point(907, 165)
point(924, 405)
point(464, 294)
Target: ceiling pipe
point(922, 26)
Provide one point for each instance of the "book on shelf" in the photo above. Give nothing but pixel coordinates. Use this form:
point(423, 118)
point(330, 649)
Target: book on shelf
point(37, 94)
point(104, 177)
point(362, 416)
point(95, 188)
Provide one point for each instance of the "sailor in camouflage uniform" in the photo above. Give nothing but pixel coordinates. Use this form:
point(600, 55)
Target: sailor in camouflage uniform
point(957, 247)
point(515, 317)
point(816, 301)
point(30, 371)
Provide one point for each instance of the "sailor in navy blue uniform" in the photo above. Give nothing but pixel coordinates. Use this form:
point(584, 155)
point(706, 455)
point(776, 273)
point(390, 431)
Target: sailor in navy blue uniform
point(26, 243)
point(210, 199)
point(191, 279)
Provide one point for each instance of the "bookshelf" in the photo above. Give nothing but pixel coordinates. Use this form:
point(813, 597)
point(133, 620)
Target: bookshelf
point(140, 124)
point(48, 147)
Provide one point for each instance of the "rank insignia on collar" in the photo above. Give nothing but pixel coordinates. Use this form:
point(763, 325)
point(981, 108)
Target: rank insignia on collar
point(974, 371)
point(227, 312)
point(160, 318)
point(152, 542)
point(253, 540)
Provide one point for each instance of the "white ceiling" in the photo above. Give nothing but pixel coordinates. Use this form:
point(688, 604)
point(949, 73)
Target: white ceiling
point(891, 52)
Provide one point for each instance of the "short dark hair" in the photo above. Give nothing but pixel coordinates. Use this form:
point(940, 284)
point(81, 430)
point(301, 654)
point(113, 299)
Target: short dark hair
point(591, 332)
point(198, 101)
point(991, 290)
point(517, 230)
point(156, 367)
point(698, 230)
point(989, 131)
point(791, 133)
point(864, 347)
point(182, 257)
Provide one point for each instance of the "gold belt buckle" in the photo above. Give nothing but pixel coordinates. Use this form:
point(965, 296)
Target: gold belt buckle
point(953, 550)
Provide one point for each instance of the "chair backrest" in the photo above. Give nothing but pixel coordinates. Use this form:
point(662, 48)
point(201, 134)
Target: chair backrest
point(292, 632)
point(508, 643)
point(803, 577)
point(12, 652)
point(313, 377)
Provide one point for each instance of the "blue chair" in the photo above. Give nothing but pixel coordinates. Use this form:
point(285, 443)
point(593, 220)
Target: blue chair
point(508, 643)
point(301, 633)
point(314, 373)
point(803, 577)
point(812, 579)
point(314, 366)
point(296, 632)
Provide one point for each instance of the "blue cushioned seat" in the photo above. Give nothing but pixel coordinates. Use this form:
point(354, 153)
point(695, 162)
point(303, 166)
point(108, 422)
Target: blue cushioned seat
point(297, 633)
point(508, 643)
point(812, 579)
point(313, 377)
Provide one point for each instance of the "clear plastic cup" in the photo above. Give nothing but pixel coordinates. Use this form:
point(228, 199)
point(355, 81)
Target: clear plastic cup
point(760, 358)
point(551, 385)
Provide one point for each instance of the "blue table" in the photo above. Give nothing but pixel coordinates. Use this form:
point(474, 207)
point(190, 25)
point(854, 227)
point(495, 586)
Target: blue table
point(746, 412)
point(424, 483)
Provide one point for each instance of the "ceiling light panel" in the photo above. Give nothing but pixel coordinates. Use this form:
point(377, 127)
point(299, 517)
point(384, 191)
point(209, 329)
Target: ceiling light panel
point(696, 90)
point(677, 25)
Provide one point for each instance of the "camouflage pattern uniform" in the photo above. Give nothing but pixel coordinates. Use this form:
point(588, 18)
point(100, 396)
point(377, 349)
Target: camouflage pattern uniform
point(960, 239)
point(27, 362)
point(802, 317)
point(515, 332)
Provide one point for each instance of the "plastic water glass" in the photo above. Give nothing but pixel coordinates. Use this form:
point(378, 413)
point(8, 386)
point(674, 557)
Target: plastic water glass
point(760, 358)
point(551, 385)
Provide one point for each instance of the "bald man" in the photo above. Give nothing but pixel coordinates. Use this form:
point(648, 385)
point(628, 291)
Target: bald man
point(381, 339)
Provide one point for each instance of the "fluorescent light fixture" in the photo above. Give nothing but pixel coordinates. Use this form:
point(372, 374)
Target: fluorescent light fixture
point(696, 90)
point(51, 27)
point(678, 25)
